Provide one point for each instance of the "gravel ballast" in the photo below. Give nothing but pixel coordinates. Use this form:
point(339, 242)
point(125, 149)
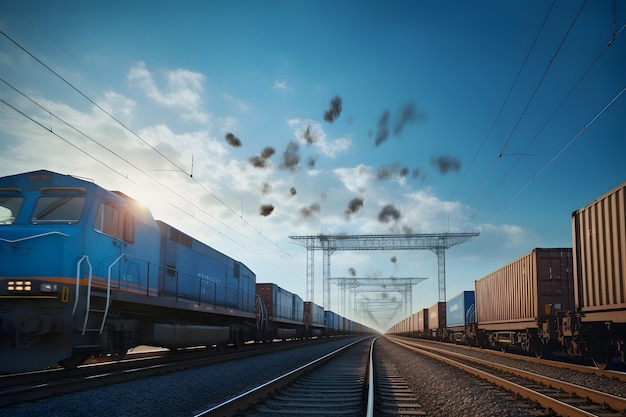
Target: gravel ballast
point(183, 393)
point(447, 392)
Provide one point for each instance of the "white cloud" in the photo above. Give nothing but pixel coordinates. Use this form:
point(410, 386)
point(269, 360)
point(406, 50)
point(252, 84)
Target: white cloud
point(310, 132)
point(183, 90)
point(282, 85)
point(356, 179)
point(117, 104)
point(240, 104)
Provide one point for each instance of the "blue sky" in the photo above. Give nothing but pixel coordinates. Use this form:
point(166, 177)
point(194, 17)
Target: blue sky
point(435, 121)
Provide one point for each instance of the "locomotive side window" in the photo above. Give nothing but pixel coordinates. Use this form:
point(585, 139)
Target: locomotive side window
point(115, 223)
point(9, 208)
point(58, 209)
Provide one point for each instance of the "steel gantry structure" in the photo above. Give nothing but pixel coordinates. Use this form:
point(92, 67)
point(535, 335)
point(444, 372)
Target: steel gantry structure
point(380, 285)
point(328, 244)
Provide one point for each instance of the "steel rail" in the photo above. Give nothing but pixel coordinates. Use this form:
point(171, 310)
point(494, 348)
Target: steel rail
point(586, 369)
point(559, 407)
point(17, 388)
point(235, 404)
point(369, 412)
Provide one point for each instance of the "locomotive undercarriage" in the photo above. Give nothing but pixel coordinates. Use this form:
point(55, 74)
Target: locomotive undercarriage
point(600, 341)
point(527, 340)
point(128, 325)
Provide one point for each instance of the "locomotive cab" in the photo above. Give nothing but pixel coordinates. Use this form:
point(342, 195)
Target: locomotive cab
point(64, 244)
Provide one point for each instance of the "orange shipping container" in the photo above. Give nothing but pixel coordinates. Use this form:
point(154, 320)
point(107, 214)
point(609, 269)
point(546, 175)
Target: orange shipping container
point(526, 291)
point(599, 240)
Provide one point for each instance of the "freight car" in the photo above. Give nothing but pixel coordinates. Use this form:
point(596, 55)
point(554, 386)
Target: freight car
point(86, 271)
point(436, 324)
point(314, 320)
point(556, 299)
point(461, 318)
point(285, 313)
point(597, 327)
point(517, 305)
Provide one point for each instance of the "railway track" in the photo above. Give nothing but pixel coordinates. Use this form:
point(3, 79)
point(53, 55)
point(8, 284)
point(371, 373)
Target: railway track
point(560, 397)
point(30, 386)
point(557, 362)
point(346, 382)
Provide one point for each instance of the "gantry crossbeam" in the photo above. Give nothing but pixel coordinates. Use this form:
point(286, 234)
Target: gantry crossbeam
point(437, 242)
point(362, 284)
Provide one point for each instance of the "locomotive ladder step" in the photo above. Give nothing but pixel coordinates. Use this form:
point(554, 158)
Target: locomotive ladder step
point(86, 346)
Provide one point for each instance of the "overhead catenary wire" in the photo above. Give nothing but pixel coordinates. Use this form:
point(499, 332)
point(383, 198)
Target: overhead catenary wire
point(521, 116)
point(549, 119)
point(51, 114)
point(543, 76)
point(563, 149)
point(506, 99)
point(124, 126)
point(51, 131)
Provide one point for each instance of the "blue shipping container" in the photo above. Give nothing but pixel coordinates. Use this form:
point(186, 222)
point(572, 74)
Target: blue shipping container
point(461, 309)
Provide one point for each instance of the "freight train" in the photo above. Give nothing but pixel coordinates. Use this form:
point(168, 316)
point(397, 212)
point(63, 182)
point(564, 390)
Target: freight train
point(85, 271)
point(570, 300)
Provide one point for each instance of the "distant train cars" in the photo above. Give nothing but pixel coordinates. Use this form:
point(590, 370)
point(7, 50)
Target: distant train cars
point(86, 271)
point(556, 299)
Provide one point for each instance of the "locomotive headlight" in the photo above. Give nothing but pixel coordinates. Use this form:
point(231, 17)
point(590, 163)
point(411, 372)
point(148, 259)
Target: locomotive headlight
point(46, 287)
point(19, 286)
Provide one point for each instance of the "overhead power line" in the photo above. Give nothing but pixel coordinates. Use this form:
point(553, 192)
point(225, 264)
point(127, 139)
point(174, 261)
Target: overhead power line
point(563, 149)
point(506, 99)
point(77, 90)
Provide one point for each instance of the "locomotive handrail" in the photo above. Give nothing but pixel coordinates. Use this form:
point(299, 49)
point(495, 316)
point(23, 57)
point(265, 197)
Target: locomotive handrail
point(80, 261)
point(106, 309)
point(33, 237)
point(88, 306)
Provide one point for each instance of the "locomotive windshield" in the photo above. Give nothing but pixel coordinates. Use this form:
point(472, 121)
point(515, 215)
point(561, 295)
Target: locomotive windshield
point(9, 208)
point(55, 209)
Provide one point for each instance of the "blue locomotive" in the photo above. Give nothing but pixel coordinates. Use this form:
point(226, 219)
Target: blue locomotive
point(85, 271)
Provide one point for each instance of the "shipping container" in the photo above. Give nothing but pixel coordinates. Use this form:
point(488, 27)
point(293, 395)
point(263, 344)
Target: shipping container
point(437, 320)
point(526, 291)
point(313, 314)
point(281, 304)
point(461, 318)
point(461, 310)
point(422, 321)
point(599, 248)
point(331, 319)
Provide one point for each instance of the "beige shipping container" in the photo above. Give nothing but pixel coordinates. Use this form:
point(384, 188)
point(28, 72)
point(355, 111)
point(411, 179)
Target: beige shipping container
point(599, 250)
point(422, 320)
point(526, 291)
point(437, 316)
